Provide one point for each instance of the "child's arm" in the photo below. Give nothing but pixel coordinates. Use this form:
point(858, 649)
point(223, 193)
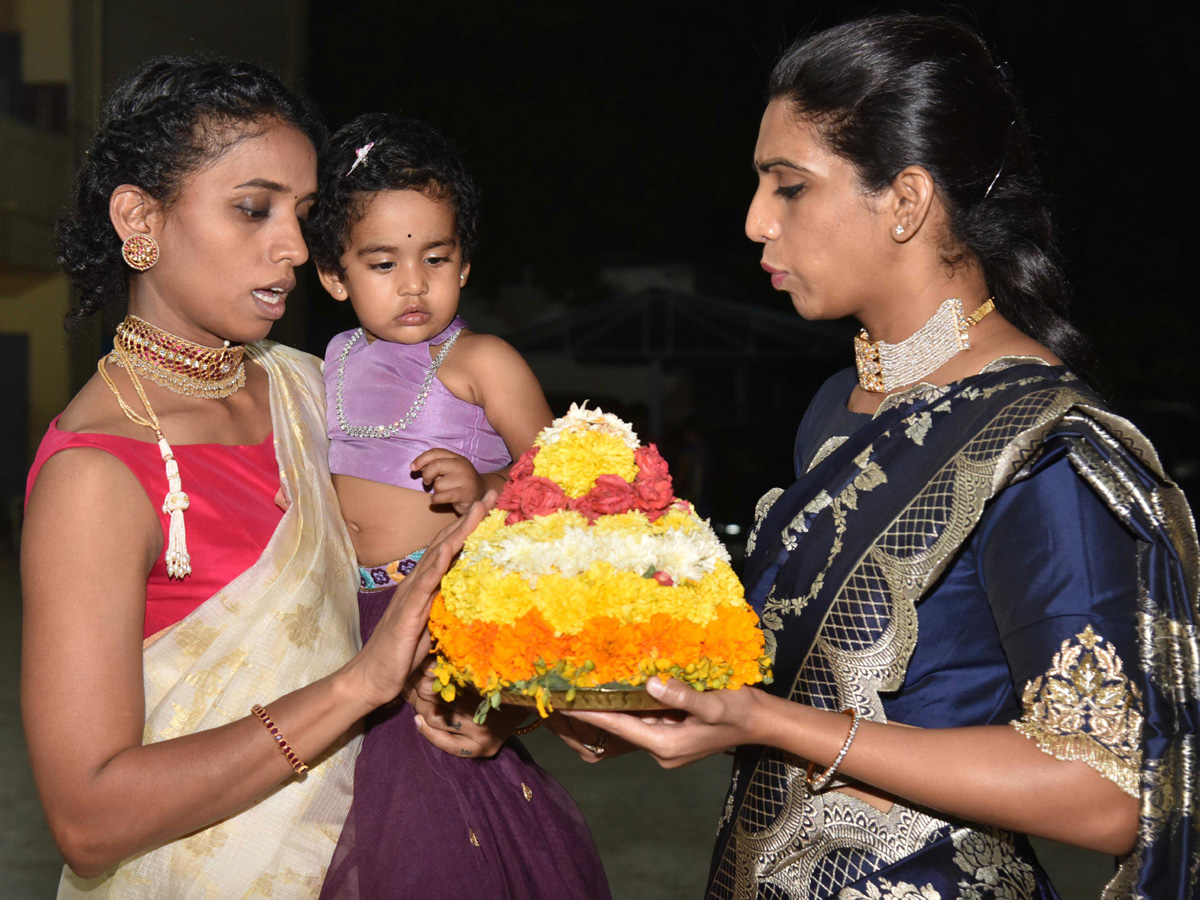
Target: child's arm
point(488, 372)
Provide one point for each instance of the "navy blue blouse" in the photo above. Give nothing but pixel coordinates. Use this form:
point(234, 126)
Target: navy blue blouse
point(1048, 575)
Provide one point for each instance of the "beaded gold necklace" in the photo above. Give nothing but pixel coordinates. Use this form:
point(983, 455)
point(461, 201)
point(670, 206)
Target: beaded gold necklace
point(180, 366)
point(884, 367)
point(179, 561)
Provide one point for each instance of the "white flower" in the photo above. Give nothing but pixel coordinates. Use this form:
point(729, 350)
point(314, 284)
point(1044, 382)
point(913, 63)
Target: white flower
point(686, 554)
point(580, 418)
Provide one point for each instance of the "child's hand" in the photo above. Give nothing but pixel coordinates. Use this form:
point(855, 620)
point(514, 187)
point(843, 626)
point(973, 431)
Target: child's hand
point(454, 479)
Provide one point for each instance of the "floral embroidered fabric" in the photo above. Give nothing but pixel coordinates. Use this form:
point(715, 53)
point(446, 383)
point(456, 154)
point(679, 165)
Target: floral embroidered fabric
point(1085, 708)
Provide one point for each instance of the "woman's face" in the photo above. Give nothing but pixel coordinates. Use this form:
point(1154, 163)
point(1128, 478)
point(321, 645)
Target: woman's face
point(231, 240)
point(824, 242)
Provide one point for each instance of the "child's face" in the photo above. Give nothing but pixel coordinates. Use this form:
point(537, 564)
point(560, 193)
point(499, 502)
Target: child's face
point(403, 268)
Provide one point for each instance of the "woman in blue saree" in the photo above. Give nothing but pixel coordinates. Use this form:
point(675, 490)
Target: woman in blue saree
point(981, 592)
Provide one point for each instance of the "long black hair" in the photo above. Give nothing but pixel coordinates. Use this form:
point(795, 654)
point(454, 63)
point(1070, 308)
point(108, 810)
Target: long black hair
point(406, 154)
point(888, 92)
point(160, 124)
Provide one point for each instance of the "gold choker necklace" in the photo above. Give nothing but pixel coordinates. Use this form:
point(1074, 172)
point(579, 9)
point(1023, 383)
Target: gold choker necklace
point(180, 366)
point(883, 367)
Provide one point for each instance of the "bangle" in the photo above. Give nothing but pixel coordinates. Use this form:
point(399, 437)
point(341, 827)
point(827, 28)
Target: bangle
point(823, 779)
point(293, 760)
point(532, 726)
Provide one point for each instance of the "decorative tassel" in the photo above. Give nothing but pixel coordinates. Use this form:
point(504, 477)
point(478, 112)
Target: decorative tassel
point(179, 562)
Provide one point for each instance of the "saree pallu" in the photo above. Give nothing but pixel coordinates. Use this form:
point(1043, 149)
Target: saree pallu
point(288, 620)
point(836, 567)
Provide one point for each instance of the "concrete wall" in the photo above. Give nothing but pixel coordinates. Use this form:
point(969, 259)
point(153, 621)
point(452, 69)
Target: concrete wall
point(269, 32)
point(35, 303)
point(45, 27)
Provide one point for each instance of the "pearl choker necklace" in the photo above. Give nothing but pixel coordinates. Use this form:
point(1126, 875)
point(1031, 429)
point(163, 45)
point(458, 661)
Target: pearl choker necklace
point(180, 366)
point(883, 367)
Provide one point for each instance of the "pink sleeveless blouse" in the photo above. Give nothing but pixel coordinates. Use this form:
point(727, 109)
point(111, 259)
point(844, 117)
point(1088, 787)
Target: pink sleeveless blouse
point(231, 518)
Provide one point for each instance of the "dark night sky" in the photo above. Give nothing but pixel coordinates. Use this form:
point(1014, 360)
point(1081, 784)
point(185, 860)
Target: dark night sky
point(614, 132)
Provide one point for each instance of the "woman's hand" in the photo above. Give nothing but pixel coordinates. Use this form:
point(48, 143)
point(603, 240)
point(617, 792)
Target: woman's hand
point(450, 726)
point(400, 642)
point(714, 721)
point(591, 742)
point(455, 482)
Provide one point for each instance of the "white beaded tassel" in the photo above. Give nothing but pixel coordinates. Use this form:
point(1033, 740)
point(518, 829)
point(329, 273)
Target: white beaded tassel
point(179, 562)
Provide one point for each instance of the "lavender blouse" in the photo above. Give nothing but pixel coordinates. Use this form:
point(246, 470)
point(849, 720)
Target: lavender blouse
point(381, 382)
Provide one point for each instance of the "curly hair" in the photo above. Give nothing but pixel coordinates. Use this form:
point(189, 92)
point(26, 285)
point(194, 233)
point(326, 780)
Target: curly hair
point(888, 92)
point(408, 155)
point(162, 123)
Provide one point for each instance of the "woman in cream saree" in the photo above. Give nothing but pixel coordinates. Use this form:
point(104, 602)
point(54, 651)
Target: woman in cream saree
point(192, 691)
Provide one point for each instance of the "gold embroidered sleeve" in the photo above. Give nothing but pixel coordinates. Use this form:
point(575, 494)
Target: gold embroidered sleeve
point(1085, 708)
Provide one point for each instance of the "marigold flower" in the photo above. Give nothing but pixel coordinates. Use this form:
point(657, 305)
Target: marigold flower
point(590, 573)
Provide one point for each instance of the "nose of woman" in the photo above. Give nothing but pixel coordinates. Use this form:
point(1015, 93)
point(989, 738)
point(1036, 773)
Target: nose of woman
point(287, 242)
point(761, 225)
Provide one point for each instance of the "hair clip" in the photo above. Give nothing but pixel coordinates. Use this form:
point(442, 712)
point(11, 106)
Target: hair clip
point(1003, 159)
point(360, 154)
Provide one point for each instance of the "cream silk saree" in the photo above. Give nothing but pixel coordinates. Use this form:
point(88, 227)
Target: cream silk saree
point(285, 622)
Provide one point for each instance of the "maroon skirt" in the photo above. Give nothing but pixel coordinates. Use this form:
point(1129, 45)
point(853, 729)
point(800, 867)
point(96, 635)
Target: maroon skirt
point(426, 824)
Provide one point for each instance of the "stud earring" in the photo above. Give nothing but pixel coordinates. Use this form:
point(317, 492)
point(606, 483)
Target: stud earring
point(899, 229)
point(140, 252)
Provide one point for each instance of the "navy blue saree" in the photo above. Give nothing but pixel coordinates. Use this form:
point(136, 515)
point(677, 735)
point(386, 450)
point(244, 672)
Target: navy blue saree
point(1001, 550)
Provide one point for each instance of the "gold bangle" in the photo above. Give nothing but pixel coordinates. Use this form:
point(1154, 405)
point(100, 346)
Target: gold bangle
point(532, 726)
point(293, 760)
point(823, 779)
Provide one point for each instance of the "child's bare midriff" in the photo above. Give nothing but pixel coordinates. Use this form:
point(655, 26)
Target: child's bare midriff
point(386, 522)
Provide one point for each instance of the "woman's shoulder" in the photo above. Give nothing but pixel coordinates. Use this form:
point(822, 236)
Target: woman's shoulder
point(92, 448)
point(94, 411)
point(280, 358)
point(836, 389)
point(829, 400)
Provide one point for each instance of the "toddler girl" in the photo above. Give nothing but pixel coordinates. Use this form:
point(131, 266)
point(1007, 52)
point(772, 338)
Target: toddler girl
point(424, 415)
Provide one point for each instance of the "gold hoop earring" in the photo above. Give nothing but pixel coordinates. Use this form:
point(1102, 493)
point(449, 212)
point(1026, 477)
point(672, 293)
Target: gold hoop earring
point(140, 252)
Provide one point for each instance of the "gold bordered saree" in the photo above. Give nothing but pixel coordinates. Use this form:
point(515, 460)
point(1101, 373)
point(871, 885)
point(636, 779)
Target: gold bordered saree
point(285, 622)
point(847, 569)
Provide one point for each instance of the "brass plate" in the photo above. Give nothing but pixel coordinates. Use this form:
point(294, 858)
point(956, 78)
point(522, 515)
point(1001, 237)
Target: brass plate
point(615, 699)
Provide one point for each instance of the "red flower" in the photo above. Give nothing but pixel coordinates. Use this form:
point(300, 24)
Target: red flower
point(610, 495)
point(653, 497)
point(653, 483)
point(523, 467)
point(510, 497)
point(539, 496)
point(664, 579)
point(651, 465)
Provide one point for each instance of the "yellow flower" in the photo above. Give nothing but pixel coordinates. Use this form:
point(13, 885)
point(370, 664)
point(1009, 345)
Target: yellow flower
point(576, 460)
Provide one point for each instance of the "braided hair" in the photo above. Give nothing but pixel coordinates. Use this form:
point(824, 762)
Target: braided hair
point(162, 123)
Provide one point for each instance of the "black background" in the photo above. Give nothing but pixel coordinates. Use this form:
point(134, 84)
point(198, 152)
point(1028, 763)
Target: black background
point(622, 133)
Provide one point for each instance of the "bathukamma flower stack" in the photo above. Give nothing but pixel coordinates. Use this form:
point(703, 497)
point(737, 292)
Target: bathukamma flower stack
point(590, 577)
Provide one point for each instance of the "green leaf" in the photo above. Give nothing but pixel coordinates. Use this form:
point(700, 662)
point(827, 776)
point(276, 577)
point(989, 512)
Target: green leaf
point(481, 713)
